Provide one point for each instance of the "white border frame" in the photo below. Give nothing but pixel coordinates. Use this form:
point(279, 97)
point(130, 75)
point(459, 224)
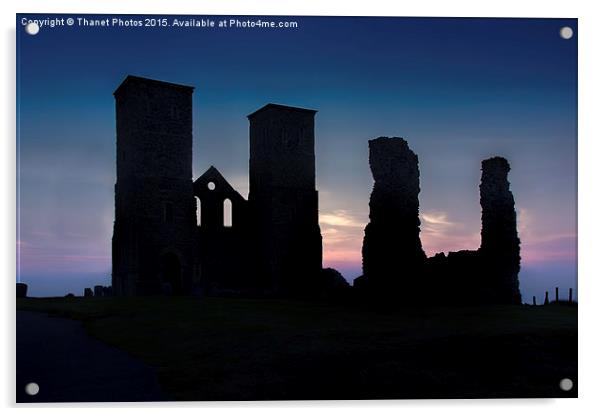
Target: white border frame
point(590, 288)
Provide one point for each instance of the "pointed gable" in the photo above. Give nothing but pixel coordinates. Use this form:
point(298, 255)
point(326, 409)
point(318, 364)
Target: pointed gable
point(212, 181)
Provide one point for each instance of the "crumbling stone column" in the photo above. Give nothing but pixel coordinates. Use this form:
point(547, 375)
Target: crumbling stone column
point(392, 252)
point(500, 245)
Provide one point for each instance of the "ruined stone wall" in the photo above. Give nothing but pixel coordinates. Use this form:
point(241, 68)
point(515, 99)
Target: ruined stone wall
point(488, 275)
point(393, 257)
point(394, 264)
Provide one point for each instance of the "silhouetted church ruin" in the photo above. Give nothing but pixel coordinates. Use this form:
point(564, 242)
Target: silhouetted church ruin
point(171, 234)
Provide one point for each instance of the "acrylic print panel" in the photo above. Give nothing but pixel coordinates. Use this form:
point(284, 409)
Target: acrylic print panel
point(289, 208)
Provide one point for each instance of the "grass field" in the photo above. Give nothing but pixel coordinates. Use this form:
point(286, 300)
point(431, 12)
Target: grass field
point(241, 349)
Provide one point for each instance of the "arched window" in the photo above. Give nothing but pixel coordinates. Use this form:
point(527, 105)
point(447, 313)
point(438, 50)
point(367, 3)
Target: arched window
point(227, 213)
point(198, 211)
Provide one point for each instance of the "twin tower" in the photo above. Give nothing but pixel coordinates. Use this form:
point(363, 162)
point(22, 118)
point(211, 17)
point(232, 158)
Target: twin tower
point(175, 235)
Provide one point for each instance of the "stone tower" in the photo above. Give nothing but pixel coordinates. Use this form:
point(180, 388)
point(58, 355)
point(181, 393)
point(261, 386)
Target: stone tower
point(392, 252)
point(154, 205)
point(283, 199)
point(500, 245)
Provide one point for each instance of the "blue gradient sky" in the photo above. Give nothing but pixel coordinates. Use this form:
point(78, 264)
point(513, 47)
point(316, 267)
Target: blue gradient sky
point(459, 90)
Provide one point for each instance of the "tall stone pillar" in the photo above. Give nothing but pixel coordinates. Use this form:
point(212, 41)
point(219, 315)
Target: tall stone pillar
point(392, 252)
point(500, 245)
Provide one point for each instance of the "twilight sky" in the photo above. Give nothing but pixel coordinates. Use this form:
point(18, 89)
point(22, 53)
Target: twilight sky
point(459, 90)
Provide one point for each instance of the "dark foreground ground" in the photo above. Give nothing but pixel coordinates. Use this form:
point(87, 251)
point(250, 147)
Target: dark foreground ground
point(235, 349)
point(68, 365)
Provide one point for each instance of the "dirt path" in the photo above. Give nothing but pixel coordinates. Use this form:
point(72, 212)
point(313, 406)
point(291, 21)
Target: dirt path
point(69, 366)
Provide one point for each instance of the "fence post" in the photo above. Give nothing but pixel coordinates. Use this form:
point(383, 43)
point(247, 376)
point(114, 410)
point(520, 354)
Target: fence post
point(534, 301)
point(571, 295)
point(556, 295)
point(546, 301)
